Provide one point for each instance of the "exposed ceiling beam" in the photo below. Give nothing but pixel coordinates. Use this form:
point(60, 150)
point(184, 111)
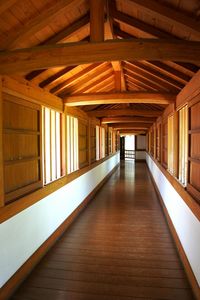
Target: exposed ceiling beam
point(6, 4)
point(172, 16)
point(113, 98)
point(161, 68)
point(41, 57)
point(56, 76)
point(127, 119)
point(100, 84)
point(155, 76)
point(184, 65)
point(108, 77)
point(99, 71)
point(58, 88)
point(142, 26)
point(68, 31)
point(123, 112)
point(145, 84)
point(39, 22)
point(58, 37)
point(130, 125)
point(123, 132)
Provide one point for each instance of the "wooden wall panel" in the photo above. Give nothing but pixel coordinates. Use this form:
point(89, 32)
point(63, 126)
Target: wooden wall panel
point(164, 142)
point(21, 147)
point(193, 185)
point(83, 143)
point(93, 142)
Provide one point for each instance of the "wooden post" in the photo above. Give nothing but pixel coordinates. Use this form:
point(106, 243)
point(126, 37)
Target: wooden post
point(1, 148)
point(97, 20)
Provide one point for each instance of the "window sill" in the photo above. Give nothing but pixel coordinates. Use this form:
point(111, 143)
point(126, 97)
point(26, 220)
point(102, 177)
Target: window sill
point(26, 201)
point(180, 189)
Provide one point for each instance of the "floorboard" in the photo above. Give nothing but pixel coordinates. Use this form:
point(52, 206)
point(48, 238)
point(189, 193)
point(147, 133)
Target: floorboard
point(119, 248)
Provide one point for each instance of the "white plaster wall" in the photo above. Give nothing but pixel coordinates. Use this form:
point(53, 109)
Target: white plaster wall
point(23, 234)
point(186, 224)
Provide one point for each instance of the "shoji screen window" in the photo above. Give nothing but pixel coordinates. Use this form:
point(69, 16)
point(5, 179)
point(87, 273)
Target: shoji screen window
point(171, 144)
point(52, 144)
point(183, 144)
point(72, 144)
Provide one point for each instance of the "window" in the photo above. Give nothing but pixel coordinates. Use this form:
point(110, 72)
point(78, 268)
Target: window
point(52, 144)
point(183, 144)
point(72, 144)
point(171, 144)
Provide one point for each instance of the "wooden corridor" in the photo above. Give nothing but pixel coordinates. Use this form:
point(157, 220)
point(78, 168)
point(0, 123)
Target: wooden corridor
point(118, 248)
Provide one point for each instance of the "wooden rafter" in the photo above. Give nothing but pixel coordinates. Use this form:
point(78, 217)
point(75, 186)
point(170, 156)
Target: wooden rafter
point(58, 88)
point(41, 57)
point(142, 26)
point(161, 68)
point(58, 37)
point(155, 76)
point(108, 77)
point(142, 83)
point(4, 5)
point(88, 80)
point(58, 75)
point(73, 28)
point(103, 98)
point(36, 24)
point(166, 13)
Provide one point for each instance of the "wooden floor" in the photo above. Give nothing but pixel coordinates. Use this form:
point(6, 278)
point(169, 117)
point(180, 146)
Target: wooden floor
point(118, 248)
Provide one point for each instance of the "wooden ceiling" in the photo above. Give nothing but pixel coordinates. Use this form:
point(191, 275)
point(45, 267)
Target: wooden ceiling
point(122, 61)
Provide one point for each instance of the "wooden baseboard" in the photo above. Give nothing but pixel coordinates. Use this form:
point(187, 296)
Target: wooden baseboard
point(188, 270)
point(13, 283)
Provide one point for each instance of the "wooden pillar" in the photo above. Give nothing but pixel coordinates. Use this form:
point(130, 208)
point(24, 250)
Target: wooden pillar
point(97, 20)
point(1, 148)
